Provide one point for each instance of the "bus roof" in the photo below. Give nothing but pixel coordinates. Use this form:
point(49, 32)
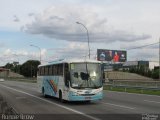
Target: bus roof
point(70, 61)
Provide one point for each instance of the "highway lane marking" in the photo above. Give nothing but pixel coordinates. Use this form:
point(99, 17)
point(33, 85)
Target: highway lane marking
point(20, 97)
point(70, 109)
point(152, 101)
point(122, 106)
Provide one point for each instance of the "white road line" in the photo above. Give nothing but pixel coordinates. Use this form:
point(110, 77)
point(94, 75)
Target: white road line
point(152, 101)
point(70, 109)
point(122, 106)
point(20, 97)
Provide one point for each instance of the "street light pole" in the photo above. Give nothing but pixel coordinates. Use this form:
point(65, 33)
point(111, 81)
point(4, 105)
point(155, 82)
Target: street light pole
point(39, 50)
point(87, 36)
point(159, 58)
point(17, 70)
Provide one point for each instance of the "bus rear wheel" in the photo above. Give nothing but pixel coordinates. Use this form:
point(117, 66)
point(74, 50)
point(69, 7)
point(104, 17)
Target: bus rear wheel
point(43, 92)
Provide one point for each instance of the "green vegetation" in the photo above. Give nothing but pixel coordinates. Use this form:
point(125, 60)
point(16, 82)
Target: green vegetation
point(142, 70)
point(14, 67)
point(155, 74)
point(132, 90)
point(27, 69)
point(22, 80)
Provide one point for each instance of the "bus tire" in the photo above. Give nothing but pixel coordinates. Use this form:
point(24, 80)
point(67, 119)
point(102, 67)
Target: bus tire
point(43, 92)
point(60, 96)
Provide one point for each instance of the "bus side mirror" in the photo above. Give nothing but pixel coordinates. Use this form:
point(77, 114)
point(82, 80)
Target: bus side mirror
point(68, 76)
point(67, 79)
point(67, 83)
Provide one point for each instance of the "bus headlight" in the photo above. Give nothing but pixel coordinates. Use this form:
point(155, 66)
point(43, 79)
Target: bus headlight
point(74, 93)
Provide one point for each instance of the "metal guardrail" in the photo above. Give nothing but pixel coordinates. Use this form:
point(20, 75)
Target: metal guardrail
point(136, 87)
point(127, 87)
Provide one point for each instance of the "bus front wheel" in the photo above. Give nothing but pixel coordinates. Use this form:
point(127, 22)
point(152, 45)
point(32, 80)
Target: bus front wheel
point(60, 96)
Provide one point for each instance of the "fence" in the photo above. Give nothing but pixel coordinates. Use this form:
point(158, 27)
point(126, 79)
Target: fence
point(134, 86)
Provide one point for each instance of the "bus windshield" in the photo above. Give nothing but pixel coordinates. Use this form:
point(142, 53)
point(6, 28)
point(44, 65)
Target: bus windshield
point(86, 75)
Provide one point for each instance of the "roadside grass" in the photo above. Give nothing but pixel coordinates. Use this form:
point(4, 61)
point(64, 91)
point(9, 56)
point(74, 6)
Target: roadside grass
point(132, 90)
point(152, 92)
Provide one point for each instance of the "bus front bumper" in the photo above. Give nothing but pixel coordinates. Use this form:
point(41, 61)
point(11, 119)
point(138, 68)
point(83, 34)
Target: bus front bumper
point(95, 97)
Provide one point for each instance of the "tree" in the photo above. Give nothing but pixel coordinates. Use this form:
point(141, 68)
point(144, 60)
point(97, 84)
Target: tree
point(155, 74)
point(9, 66)
point(13, 67)
point(29, 68)
point(141, 70)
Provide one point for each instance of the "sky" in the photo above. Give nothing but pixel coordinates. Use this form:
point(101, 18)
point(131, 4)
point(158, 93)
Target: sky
point(50, 27)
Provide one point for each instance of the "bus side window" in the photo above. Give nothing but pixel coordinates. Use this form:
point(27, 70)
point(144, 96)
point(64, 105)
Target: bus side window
point(39, 71)
point(58, 69)
point(53, 73)
point(46, 70)
point(42, 70)
point(61, 69)
point(55, 70)
point(50, 70)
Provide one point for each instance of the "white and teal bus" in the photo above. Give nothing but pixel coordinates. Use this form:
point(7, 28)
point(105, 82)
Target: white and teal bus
point(71, 80)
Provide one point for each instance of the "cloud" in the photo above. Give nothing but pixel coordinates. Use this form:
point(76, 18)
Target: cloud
point(72, 50)
point(16, 19)
point(149, 53)
point(59, 22)
point(31, 14)
point(8, 52)
point(135, 46)
point(143, 54)
point(9, 55)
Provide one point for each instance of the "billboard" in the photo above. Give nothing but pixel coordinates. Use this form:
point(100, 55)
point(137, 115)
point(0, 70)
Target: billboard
point(111, 55)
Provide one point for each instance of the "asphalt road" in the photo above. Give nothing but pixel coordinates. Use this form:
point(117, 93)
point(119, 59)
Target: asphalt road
point(25, 99)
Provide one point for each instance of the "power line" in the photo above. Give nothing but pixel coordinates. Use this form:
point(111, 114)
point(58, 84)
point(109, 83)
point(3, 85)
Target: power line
point(143, 46)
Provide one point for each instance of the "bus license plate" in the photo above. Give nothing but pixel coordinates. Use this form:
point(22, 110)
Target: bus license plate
point(87, 98)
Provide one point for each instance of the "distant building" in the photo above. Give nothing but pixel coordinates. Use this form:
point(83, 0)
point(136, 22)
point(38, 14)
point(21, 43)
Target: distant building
point(110, 66)
point(153, 64)
point(135, 64)
point(4, 72)
point(130, 64)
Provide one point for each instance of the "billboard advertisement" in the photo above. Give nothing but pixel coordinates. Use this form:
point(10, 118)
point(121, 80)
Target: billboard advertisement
point(111, 55)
